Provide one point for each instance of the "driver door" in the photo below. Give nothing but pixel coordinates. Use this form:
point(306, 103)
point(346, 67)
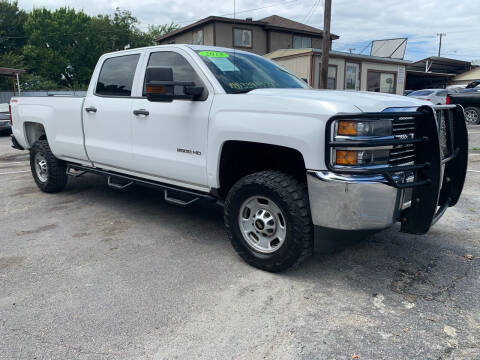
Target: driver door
point(169, 139)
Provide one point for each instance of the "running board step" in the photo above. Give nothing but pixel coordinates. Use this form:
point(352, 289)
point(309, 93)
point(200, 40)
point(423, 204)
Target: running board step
point(177, 201)
point(118, 186)
point(172, 194)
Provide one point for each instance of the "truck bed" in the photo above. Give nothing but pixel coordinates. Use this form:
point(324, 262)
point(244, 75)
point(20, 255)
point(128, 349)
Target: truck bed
point(61, 118)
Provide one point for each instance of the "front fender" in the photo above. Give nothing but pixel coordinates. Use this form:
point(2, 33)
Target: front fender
point(302, 133)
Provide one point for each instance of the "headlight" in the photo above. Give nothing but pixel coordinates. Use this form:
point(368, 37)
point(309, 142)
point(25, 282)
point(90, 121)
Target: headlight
point(361, 157)
point(364, 128)
point(361, 130)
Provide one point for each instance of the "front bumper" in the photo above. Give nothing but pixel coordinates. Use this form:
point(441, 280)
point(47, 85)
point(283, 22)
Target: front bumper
point(354, 202)
point(416, 194)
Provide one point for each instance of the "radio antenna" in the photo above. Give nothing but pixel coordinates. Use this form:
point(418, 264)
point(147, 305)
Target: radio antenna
point(233, 39)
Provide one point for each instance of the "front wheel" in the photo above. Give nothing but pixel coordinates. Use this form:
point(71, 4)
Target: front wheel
point(472, 115)
point(267, 216)
point(48, 172)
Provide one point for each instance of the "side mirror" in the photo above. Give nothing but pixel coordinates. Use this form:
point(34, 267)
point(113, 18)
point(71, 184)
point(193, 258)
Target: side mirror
point(161, 87)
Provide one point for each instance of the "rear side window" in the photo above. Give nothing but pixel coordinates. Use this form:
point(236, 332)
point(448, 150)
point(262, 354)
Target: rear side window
point(181, 69)
point(116, 76)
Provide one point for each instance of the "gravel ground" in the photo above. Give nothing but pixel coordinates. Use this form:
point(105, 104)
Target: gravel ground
point(93, 273)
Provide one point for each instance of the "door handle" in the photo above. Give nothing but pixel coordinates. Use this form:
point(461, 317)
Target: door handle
point(141, 112)
point(91, 109)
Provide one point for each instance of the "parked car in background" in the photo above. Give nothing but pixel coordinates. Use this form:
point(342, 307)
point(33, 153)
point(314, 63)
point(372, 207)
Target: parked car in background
point(4, 119)
point(470, 100)
point(473, 84)
point(435, 96)
point(470, 90)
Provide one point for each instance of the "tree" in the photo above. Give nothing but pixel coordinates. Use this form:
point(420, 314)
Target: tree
point(62, 46)
point(12, 35)
point(155, 31)
point(57, 44)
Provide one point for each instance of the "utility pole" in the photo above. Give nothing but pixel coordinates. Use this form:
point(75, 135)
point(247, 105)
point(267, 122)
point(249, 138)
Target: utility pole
point(327, 15)
point(351, 49)
point(440, 42)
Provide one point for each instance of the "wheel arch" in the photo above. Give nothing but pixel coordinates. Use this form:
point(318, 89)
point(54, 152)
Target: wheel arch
point(238, 158)
point(34, 131)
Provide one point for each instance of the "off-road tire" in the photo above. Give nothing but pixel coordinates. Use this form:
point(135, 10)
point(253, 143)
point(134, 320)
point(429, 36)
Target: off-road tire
point(477, 111)
point(291, 196)
point(57, 175)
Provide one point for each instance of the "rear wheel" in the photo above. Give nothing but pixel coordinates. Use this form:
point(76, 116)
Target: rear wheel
point(472, 115)
point(48, 172)
point(268, 220)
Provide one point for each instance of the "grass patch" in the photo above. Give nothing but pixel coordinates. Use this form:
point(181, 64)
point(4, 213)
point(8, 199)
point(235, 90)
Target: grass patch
point(476, 148)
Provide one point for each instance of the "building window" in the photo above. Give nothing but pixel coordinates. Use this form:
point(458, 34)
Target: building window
point(332, 77)
point(352, 76)
point(301, 42)
point(197, 37)
point(378, 81)
point(242, 38)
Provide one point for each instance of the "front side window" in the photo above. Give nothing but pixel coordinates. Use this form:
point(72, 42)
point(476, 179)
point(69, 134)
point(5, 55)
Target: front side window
point(301, 42)
point(116, 76)
point(242, 38)
point(381, 82)
point(240, 72)
point(181, 69)
point(197, 37)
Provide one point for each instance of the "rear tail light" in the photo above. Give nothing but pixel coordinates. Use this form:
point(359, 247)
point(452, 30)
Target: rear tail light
point(447, 100)
point(10, 114)
point(427, 99)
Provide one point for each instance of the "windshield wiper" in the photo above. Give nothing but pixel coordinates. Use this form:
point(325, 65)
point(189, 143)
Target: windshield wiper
point(241, 91)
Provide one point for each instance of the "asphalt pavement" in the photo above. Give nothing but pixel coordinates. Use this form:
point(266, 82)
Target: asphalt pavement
point(94, 273)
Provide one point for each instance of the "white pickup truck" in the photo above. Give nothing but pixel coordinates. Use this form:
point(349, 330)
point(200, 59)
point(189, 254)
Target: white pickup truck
point(289, 163)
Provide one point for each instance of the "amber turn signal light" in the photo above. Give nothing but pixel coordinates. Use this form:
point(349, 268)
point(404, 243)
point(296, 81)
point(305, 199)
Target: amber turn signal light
point(346, 157)
point(347, 128)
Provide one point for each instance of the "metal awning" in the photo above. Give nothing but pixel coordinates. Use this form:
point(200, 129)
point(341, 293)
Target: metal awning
point(11, 72)
point(5, 71)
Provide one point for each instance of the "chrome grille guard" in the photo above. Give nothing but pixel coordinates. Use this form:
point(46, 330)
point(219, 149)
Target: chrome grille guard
point(439, 163)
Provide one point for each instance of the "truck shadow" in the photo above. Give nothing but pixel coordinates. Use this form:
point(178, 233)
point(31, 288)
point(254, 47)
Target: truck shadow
point(415, 268)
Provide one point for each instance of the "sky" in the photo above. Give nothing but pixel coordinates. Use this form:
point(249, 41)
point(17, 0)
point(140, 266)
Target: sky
point(358, 22)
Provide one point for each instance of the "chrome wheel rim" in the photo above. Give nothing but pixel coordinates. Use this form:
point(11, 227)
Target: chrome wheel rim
point(41, 167)
point(471, 117)
point(262, 224)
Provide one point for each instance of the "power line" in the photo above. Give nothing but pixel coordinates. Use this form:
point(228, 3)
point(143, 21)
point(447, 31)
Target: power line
point(310, 13)
point(238, 12)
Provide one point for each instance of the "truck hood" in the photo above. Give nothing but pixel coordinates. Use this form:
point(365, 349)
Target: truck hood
point(365, 101)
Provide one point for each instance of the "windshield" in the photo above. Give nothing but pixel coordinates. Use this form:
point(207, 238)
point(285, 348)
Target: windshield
point(240, 72)
point(421, 93)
